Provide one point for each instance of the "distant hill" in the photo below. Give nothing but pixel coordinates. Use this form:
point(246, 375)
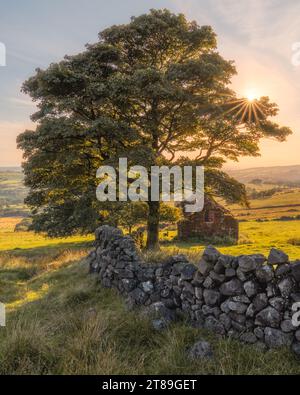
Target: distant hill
point(11, 169)
point(274, 175)
point(12, 192)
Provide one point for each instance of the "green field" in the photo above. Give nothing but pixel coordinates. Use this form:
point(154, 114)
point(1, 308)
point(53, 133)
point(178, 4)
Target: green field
point(61, 321)
point(285, 203)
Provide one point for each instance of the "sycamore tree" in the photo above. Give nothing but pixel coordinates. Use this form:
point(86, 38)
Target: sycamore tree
point(155, 91)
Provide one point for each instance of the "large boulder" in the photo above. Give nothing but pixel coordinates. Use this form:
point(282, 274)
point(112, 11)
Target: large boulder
point(232, 287)
point(265, 274)
point(277, 257)
point(286, 287)
point(211, 297)
point(188, 271)
point(247, 263)
point(205, 267)
point(211, 254)
point(269, 317)
point(201, 350)
point(251, 288)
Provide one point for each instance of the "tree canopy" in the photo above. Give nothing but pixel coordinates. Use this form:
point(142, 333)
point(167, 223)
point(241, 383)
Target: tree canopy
point(155, 91)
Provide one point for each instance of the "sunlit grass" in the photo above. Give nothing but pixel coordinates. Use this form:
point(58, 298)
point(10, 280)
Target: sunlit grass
point(61, 321)
point(10, 240)
point(66, 323)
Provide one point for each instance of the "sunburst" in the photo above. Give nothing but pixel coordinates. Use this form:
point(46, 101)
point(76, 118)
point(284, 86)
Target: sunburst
point(248, 109)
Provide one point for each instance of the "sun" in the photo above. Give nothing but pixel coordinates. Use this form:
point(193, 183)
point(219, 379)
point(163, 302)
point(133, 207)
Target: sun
point(251, 95)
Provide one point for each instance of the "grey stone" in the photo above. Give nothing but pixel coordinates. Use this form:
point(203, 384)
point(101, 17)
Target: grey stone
point(250, 311)
point(232, 288)
point(187, 273)
point(199, 317)
point(242, 275)
point(295, 297)
point(296, 270)
point(211, 297)
point(160, 324)
point(230, 273)
point(238, 307)
point(212, 324)
point(287, 326)
point(207, 310)
point(233, 334)
point(217, 278)
point(128, 284)
point(275, 338)
point(238, 327)
point(282, 270)
point(239, 318)
point(226, 321)
point(271, 290)
point(247, 263)
point(268, 317)
point(264, 274)
point(296, 348)
point(250, 288)
point(219, 268)
point(277, 257)
point(201, 350)
point(241, 299)
point(248, 338)
point(259, 333)
point(159, 310)
point(260, 302)
point(208, 283)
point(211, 254)
point(226, 260)
point(277, 303)
point(205, 267)
point(187, 287)
point(259, 258)
point(198, 279)
point(286, 287)
point(297, 335)
point(147, 286)
point(225, 306)
point(198, 293)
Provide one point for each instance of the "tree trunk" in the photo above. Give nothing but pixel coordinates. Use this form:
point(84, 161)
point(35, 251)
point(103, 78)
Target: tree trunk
point(153, 226)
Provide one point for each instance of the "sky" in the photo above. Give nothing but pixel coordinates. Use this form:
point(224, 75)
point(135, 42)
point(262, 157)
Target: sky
point(262, 37)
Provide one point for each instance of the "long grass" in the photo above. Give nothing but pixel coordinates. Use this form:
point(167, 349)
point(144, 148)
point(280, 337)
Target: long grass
point(61, 321)
point(74, 326)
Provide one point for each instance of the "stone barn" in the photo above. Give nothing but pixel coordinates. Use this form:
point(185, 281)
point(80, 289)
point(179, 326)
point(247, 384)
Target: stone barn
point(213, 220)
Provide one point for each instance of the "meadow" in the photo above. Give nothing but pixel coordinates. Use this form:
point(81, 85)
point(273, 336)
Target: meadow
point(282, 204)
point(61, 321)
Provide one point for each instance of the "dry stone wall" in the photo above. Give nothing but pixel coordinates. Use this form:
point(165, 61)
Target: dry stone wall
point(249, 297)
